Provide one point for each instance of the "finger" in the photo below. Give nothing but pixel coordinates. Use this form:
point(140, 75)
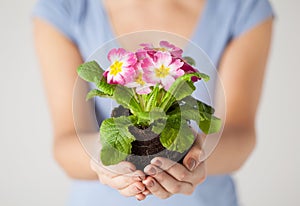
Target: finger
point(114, 170)
point(146, 192)
point(169, 183)
point(155, 188)
point(193, 157)
point(140, 197)
point(117, 181)
point(199, 174)
point(176, 170)
point(123, 181)
point(133, 189)
point(179, 172)
point(121, 168)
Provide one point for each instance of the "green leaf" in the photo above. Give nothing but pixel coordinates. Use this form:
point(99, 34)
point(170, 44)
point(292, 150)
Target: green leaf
point(151, 98)
point(189, 60)
point(94, 93)
point(158, 125)
point(177, 136)
point(192, 102)
point(154, 114)
point(116, 139)
point(125, 97)
point(157, 113)
point(111, 156)
point(90, 71)
point(106, 88)
point(201, 113)
point(203, 76)
point(181, 88)
point(211, 124)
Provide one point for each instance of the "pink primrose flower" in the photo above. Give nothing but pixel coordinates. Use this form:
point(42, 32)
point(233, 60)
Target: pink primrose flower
point(121, 70)
point(162, 69)
point(139, 82)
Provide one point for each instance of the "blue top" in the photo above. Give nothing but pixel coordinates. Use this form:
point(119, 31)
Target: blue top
point(86, 23)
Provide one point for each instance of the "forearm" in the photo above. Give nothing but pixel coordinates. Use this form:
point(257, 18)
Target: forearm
point(71, 156)
point(234, 148)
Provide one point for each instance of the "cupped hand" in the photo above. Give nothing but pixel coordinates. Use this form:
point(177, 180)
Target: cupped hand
point(167, 177)
point(123, 177)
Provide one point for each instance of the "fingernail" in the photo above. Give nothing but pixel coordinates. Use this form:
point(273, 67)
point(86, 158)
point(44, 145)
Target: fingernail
point(191, 164)
point(146, 192)
point(157, 162)
point(138, 189)
point(140, 178)
point(150, 183)
point(152, 171)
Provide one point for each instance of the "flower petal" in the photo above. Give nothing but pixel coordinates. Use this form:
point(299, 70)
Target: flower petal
point(177, 73)
point(128, 74)
point(188, 68)
point(150, 77)
point(143, 90)
point(129, 59)
point(162, 58)
point(109, 79)
point(176, 64)
point(116, 54)
point(167, 82)
point(118, 79)
point(166, 44)
point(147, 45)
point(132, 84)
point(175, 51)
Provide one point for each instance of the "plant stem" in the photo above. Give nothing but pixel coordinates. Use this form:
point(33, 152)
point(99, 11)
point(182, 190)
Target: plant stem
point(141, 100)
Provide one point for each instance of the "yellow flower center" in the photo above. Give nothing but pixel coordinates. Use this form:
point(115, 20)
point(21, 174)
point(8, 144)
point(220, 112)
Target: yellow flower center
point(161, 49)
point(139, 80)
point(162, 72)
point(115, 68)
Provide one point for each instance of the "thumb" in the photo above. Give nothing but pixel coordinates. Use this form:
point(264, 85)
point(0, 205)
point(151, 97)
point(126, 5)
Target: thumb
point(193, 157)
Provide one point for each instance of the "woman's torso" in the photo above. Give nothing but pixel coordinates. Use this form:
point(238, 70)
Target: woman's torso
point(180, 17)
point(88, 24)
point(217, 190)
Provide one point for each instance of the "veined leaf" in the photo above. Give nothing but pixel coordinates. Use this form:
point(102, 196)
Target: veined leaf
point(116, 139)
point(192, 109)
point(151, 117)
point(125, 97)
point(90, 71)
point(189, 60)
point(181, 88)
point(158, 126)
point(111, 156)
point(152, 98)
point(106, 88)
point(95, 93)
point(191, 101)
point(177, 136)
point(211, 124)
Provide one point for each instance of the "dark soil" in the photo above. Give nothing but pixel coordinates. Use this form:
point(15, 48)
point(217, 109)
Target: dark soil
point(147, 144)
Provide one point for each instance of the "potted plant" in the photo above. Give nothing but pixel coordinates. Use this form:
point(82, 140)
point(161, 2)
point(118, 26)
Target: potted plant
point(153, 87)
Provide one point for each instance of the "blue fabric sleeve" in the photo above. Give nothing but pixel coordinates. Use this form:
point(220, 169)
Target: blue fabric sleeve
point(250, 13)
point(58, 13)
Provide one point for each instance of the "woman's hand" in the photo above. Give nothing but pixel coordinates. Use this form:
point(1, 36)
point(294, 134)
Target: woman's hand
point(123, 177)
point(167, 177)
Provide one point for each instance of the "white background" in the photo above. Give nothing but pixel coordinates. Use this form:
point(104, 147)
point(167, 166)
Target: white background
point(29, 175)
